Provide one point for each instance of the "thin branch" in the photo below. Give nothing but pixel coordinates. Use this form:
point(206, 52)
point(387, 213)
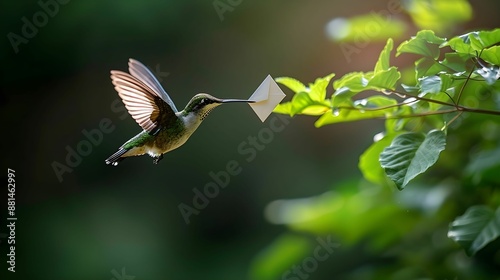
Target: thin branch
point(463, 86)
point(451, 98)
point(478, 110)
point(424, 114)
point(375, 109)
point(454, 118)
point(425, 99)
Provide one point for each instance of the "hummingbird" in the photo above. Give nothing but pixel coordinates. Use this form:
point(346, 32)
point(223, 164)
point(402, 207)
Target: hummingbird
point(164, 127)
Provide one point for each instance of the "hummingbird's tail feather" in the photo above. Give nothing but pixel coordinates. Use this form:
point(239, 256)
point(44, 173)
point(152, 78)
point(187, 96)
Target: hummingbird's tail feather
point(115, 158)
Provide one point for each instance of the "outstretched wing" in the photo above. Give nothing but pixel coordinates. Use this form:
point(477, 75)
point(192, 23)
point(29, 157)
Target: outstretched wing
point(141, 72)
point(143, 103)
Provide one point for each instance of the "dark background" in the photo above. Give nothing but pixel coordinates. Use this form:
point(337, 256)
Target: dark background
point(101, 218)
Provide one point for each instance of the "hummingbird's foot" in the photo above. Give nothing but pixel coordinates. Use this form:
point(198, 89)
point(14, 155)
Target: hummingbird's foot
point(157, 159)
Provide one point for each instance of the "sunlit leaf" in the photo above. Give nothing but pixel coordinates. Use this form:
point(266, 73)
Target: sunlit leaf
point(479, 226)
point(315, 110)
point(425, 43)
point(284, 108)
point(308, 101)
point(293, 84)
point(411, 154)
point(430, 37)
point(461, 44)
point(478, 42)
point(346, 115)
point(342, 95)
point(376, 101)
point(302, 100)
point(383, 62)
point(474, 42)
point(317, 91)
point(492, 55)
point(354, 81)
point(489, 38)
point(384, 79)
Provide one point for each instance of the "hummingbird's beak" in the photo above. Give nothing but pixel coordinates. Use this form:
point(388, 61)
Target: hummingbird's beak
point(236, 100)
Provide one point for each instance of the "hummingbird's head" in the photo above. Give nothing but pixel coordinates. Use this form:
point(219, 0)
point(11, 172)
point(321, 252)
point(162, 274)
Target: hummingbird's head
point(202, 104)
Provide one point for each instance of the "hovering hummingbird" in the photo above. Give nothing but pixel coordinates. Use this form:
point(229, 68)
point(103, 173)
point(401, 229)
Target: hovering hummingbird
point(164, 127)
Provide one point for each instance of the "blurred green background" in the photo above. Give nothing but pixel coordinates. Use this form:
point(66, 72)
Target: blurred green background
point(100, 219)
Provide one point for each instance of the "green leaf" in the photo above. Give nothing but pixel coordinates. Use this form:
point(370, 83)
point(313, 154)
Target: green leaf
point(425, 43)
point(342, 95)
point(479, 40)
point(383, 62)
point(411, 154)
point(384, 79)
point(284, 108)
point(446, 82)
point(302, 100)
point(492, 55)
point(308, 101)
point(427, 67)
point(456, 61)
point(346, 115)
point(348, 86)
point(430, 84)
point(317, 90)
point(369, 163)
point(315, 110)
point(437, 86)
point(489, 38)
point(460, 44)
point(479, 226)
point(293, 84)
point(376, 101)
point(354, 81)
point(351, 84)
point(475, 42)
point(430, 37)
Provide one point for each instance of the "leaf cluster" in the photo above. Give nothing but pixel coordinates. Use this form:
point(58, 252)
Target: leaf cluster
point(456, 84)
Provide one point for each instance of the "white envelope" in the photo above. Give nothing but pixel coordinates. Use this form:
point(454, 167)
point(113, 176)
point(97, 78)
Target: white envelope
point(267, 96)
